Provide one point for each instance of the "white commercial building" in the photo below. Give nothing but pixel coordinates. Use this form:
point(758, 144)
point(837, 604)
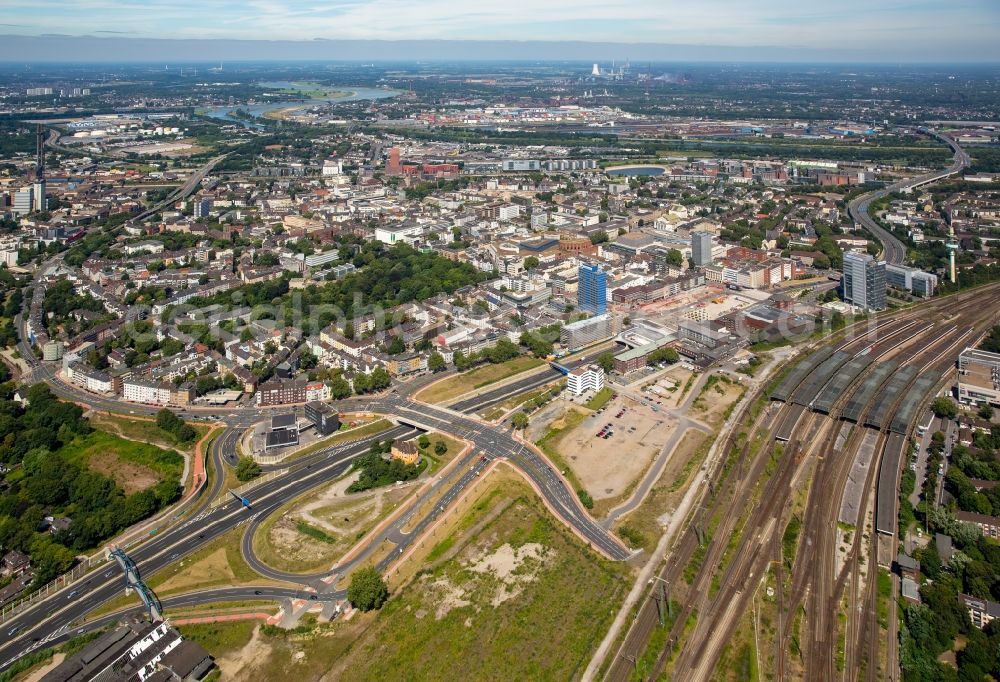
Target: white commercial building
point(979, 377)
point(398, 234)
point(583, 379)
point(146, 392)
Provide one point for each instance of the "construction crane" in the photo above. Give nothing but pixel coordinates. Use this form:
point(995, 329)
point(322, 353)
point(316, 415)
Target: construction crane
point(134, 581)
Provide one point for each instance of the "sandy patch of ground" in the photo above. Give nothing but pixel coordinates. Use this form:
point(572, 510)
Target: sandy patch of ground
point(607, 467)
point(447, 596)
point(540, 421)
point(238, 665)
point(510, 568)
point(131, 477)
point(715, 400)
point(207, 571)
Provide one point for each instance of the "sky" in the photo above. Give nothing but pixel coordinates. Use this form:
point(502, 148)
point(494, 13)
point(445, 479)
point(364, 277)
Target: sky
point(895, 30)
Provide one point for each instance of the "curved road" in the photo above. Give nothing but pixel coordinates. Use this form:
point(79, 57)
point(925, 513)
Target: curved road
point(893, 249)
point(57, 613)
point(53, 617)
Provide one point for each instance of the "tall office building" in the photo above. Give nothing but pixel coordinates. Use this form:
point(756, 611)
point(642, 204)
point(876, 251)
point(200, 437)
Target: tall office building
point(701, 248)
point(24, 201)
point(202, 208)
point(864, 281)
point(39, 200)
point(392, 166)
point(592, 291)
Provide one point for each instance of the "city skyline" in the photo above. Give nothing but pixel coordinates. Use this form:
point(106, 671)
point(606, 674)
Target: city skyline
point(895, 31)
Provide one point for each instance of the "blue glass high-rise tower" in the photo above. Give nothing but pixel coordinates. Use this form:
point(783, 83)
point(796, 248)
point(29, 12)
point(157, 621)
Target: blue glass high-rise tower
point(592, 292)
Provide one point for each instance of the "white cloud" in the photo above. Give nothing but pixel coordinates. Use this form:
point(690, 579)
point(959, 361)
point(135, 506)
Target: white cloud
point(790, 23)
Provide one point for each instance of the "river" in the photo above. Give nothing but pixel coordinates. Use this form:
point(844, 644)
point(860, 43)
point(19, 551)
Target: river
point(258, 110)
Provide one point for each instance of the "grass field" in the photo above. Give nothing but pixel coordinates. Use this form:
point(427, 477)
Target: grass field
point(453, 447)
point(146, 431)
point(511, 584)
point(460, 384)
point(600, 399)
point(220, 639)
point(505, 579)
point(133, 465)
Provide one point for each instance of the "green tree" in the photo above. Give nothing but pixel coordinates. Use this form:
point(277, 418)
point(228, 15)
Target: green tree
point(668, 355)
point(944, 408)
point(599, 237)
point(436, 363)
point(423, 441)
point(339, 388)
point(307, 360)
point(530, 263)
point(396, 346)
point(606, 361)
point(367, 590)
point(247, 469)
point(519, 420)
point(985, 411)
point(440, 448)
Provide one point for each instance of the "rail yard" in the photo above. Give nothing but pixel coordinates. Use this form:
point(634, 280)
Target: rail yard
point(830, 433)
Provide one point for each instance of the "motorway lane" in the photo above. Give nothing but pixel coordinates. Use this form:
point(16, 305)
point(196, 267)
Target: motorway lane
point(62, 609)
point(220, 595)
point(496, 396)
point(893, 249)
point(467, 470)
point(154, 555)
point(496, 444)
point(312, 579)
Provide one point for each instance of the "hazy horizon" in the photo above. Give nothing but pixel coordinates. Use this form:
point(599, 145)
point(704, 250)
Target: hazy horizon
point(890, 31)
point(98, 49)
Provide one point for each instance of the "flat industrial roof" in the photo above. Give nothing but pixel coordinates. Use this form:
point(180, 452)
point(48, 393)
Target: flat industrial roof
point(888, 490)
point(281, 439)
point(282, 421)
point(980, 356)
point(835, 388)
point(912, 401)
point(811, 385)
point(798, 373)
point(864, 393)
point(640, 351)
point(892, 392)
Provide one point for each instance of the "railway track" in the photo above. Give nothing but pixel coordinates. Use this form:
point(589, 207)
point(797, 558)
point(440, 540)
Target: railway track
point(861, 643)
point(904, 336)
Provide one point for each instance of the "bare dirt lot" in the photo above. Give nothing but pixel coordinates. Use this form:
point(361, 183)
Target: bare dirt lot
point(131, 477)
point(607, 467)
point(716, 400)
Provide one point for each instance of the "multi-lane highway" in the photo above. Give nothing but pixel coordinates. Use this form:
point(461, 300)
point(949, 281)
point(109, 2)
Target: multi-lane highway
point(893, 249)
point(56, 616)
point(58, 613)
